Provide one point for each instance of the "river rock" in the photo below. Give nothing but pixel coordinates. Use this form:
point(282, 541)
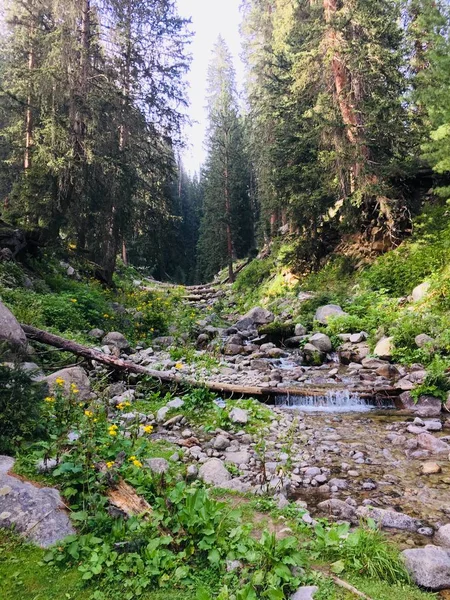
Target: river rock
point(353, 353)
point(213, 471)
point(322, 342)
point(324, 313)
point(238, 415)
point(384, 348)
point(427, 406)
point(442, 536)
point(241, 457)
point(423, 340)
point(429, 567)
point(373, 363)
point(389, 518)
point(300, 330)
point(96, 334)
point(114, 338)
point(72, 375)
point(312, 355)
point(432, 444)
point(338, 508)
point(36, 512)
point(306, 592)
point(233, 349)
point(221, 442)
point(420, 291)
point(10, 330)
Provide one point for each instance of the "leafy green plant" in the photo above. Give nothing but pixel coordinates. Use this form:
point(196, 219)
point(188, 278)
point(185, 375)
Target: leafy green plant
point(437, 381)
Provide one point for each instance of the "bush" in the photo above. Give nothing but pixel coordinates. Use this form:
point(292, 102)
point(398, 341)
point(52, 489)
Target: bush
point(20, 405)
point(253, 275)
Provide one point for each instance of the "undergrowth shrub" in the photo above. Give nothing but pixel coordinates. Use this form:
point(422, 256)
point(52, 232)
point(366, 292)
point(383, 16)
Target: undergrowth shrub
point(437, 381)
point(253, 275)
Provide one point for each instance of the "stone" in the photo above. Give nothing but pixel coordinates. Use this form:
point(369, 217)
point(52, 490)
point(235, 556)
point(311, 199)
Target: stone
point(312, 354)
point(244, 324)
point(426, 406)
point(322, 342)
point(37, 513)
point(175, 403)
point(353, 353)
point(163, 341)
point(373, 363)
point(338, 508)
point(356, 338)
point(420, 291)
point(423, 340)
point(258, 364)
point(276, 353)
point(389, 518)
point(388, 371)
point(426, 441)
point(238, 415)
point(72, 375)
point(10, 330)
point(340, 484)
point(192, 472)
point(306, 592)
point(324, 313)
point(433, 426)
point(221, 442)
point(233, 565)
point(260, 316)
point(300, 330)
point(242, 457)
point(162, 414)
point(46, 465)
point(233, 350)
point(236, 485)
point(294, 342)
point(114, 338)
point(384, 348)
point(312, 472)
point(96, 334)
point(157, 465)
point(214, 472)
point(429, 567)
point(442, 536)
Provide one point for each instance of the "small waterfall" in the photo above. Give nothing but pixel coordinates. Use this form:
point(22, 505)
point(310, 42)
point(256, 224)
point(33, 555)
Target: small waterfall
point(331, 401)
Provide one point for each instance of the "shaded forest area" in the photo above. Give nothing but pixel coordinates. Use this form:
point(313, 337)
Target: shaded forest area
point(344, 130)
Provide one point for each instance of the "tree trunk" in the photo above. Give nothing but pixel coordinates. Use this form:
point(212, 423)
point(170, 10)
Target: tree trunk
point(230, 250)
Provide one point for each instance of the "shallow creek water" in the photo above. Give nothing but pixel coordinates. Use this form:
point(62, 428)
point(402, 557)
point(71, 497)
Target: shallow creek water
point(333, 439)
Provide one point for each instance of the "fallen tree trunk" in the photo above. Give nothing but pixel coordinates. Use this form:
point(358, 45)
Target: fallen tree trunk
point(119, 364)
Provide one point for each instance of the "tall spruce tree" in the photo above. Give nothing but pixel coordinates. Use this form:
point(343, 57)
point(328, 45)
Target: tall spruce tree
point(226, 226)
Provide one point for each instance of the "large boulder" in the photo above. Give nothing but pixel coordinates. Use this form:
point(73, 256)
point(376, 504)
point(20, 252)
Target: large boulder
point(324, 313)
point(260, 316)
point(338, 508)
point(238, 415)
point(433, 444)
point(442, 536)
point(213, 471)
point(389, 518)
point(306, 592)
point(75, 376)
point(114, 338)
point(312, 355)
point(426, 406)
point(384, 349)
point(420, 291)
point(322, 342)
point(10, 330)
point(353, 353)
point(36, 512)
point(429, 567)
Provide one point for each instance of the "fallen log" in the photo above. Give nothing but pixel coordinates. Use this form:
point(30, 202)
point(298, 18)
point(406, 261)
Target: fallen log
point(119, 364)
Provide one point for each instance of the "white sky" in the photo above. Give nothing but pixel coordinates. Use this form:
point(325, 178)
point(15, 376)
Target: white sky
point(210, 18)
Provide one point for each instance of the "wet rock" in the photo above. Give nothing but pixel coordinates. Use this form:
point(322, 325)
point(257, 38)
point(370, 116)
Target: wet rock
point(238, 415)
point(37, 513)
point(114, 338)
point(384, 348)
point(433, 425)
point(157, 465)
point(389, 518)
point(213, 471)
point(432, 444)
point(430, 468)
point(322, 342)
point(312, 355)
point(72, 376)
point(442, 536)
point(427, 406)
point(324, 313)
point(429, 567)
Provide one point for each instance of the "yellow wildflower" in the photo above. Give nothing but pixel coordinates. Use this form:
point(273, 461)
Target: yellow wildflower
point(49, 399)
point(105, 316)
point(121, 406)
point(137, 463)
point(74, 389)
point(89, 413)
point(112, 432)
point(132, 458)
point(179, 365)
point(59, 381)
point(110, 464)
point(73, 300)
point(148, 428)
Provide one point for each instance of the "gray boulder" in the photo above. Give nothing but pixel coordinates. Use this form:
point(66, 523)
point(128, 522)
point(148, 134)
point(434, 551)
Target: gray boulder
point(114, 338)
point(389, 518)
point(384, 348)
point(260, 316)
point(300, 330)
point(426, 441)
point(338, 508)
point(214, 472)
point(322, 342)
point(10, 330)
point(442, 536)
point(353, 353)
point(37, 513)
point(423, 340)
point(96, 334)
point(420, 291)
point(221, 442)
point(324, 313)
point(75, 376)
point(427, 406)
point(429, 567)
point(238, 415)
point(159, 466)
point(306, 592)
point(312, 354)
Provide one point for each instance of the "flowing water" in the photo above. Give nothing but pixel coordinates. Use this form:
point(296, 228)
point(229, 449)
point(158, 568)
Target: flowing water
point(332, 401)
